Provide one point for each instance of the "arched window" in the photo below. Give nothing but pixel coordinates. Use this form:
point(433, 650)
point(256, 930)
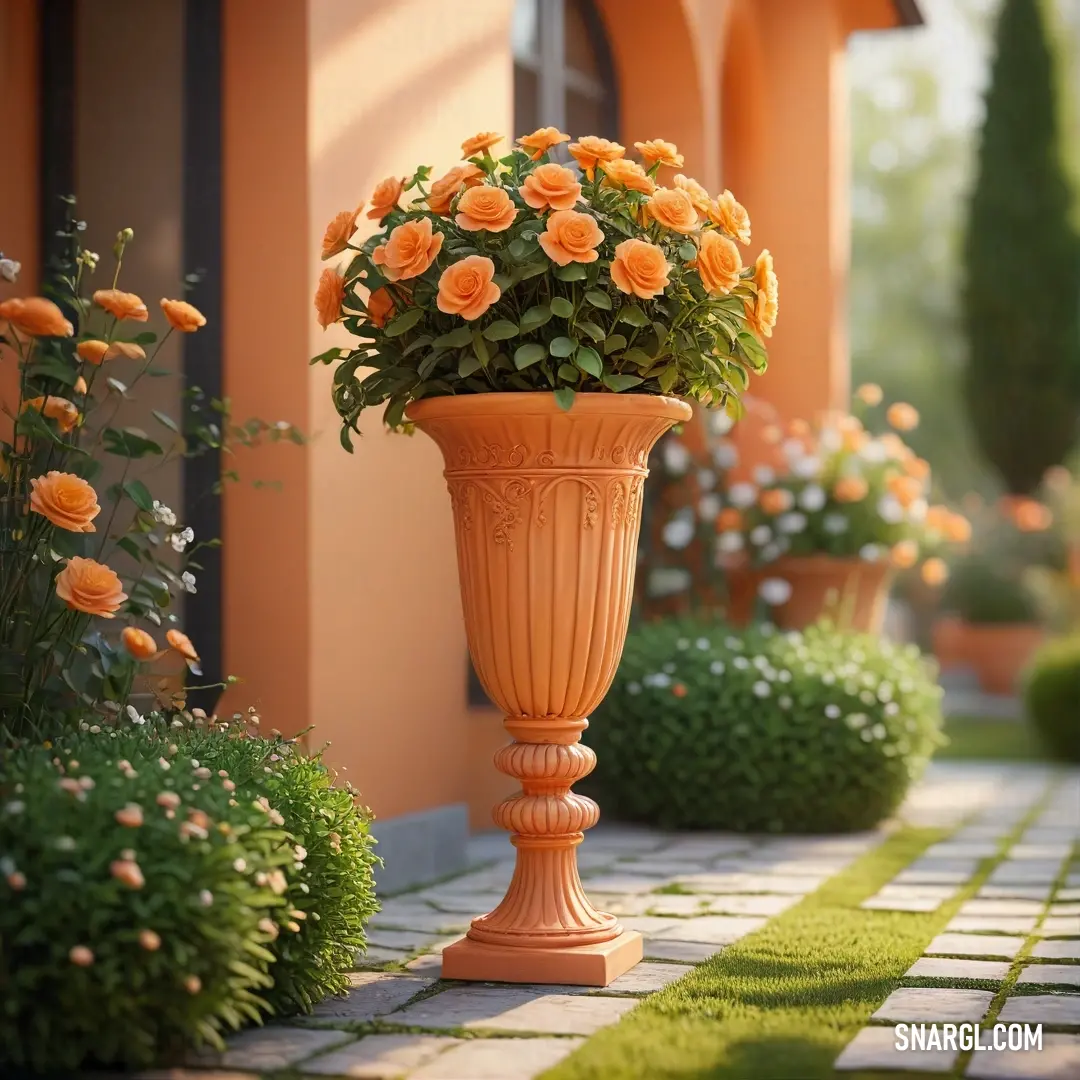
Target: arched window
point(563, 71)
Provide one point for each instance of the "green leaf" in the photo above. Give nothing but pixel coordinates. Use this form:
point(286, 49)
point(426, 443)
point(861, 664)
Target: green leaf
point(128, 443)
point(564, 397)
point(346, 438)
point(594, 330)
point(535, 317)
point(394, 411)
point(613, 343)
point(518, 249)
point(147, 337)
point(467, 365)
point(588, 359)
point(661, 332)
point(427, 365)
point(167, 421)
point(406, 321)
point(569, 372)
point(327, 357)
point(562, 307)
point(621, 382)
point(573, 272)
point(483, 353)
point(562, 346)
point(599, 299)
point(634, 316)
point(530, 270)
point(504, 281)
point(421, 342)
point(500, 330)
point(455, 339)
point(753, 350)
point(639, 357)
point(117, 385)
point(527, 355)
point(687, 252)
point(667, 377)
point(139, 494)
point(52, 367)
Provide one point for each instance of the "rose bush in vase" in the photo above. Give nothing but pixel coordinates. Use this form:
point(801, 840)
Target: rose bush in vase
point(541, 324)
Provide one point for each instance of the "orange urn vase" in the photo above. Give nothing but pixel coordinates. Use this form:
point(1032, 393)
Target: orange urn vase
point(547, 511)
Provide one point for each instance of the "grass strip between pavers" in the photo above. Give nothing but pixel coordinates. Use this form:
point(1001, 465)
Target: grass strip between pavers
point(782, 1003)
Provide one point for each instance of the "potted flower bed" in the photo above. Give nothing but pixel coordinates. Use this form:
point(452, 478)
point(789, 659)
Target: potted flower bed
point(542, 325)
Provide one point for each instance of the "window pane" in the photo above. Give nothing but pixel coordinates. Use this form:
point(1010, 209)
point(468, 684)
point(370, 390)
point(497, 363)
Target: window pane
point(526, 101)
point(580, 50)
point(525, 28)
point(585, 116)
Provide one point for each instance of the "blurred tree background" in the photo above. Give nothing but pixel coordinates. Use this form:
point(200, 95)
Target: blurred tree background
point(916, 110)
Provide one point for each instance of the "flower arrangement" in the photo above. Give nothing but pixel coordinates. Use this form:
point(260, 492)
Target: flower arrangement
point(88, 575)
point(520, 273)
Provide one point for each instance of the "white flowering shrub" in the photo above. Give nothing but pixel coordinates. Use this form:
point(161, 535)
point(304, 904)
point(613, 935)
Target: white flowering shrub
point(706, 727)
point(162, 886)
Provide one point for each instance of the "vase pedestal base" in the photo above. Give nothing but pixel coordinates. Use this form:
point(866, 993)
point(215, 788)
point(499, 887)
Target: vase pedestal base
point(577, 965)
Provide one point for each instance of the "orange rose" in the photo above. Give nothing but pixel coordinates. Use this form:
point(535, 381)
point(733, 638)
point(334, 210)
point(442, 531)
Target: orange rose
point(409, 251)
point(590, 150)
point(776, 501)
point(385, 198)
point(35, 317)
point(127, 349)
point(540, 142)
point(957, 529)
point(551, 187)
point(849, 489)
point(93, 352)
point(904, 554)
point(698, 195)
point(718, 262)
point(761, 312)
point(730, 214)
point(183, 316)
point(639, 268)
point(729, 519)
point(179, 641)
point(674, 209)
point(799, 429)
point(90, 587)
point(870, 394)
point(918, 467)
point(485, 209)
point(619, 172)
point(1029, 516)
point(571, 237)
point(80, 386)
point(934, 572)
point(380, 307)
point(339, 232)
point(479, 143)
point(466, 288)
point(445, 188)
point(139, 643)
point(127, 872)
point(122, 305)
point(59, 409)
point(902, 416)
point(68, 501)
point(659, 151)
point(329, 297)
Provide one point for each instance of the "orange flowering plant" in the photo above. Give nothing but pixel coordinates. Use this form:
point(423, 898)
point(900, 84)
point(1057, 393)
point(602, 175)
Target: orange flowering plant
point(89, 573)
point(519, 273)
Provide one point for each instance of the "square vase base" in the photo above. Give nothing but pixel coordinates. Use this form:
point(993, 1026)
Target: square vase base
point(579, 965)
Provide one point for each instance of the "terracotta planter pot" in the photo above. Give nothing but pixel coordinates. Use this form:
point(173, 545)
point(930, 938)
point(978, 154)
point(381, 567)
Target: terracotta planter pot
point(853, 591)
point(949, 641)
point(547, 509)
point(999, 652)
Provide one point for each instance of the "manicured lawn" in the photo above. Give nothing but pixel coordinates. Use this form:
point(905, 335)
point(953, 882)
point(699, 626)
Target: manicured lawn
point(783, 1002)
point(977, 738)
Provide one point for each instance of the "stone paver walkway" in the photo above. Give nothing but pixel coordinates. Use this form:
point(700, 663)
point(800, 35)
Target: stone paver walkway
point(692, 895)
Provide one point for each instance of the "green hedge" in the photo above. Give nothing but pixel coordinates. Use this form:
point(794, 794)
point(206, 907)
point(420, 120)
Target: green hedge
point(1052, 697)
point(711, 728)
point(160, 887)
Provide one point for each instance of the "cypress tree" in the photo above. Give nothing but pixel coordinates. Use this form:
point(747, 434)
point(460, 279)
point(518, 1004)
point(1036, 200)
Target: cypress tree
point(1021, 301)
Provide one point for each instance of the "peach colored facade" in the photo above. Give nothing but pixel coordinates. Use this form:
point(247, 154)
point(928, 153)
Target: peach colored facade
point(341, 602)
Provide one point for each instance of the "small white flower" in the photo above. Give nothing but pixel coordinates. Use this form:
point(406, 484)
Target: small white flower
point(835, 524)
point(16, 806)
point(892, 709)
point(866, 735)
point(772, 552)
point(206, 898)
point(761, 663)
point(717, 667)
point(917, 511)
point(878, 731)
point(65, 843)
point(885, 692)
point(866, 697)
point(855, 721)
point(706, 479)
point(791, 522)
point(807, 468)
point(180, 540)
point(793, 449)
point(832, 712)
point(784, 675)
point(9, 270)
point(760, 534)
point(890, 510)
point(812, 498)
point(721, 422)
point(708, 506)
point(133, 715)
point(828, 678)
point(741, 663)
point(703, 643)
point(785, 702)
point(873, 451)
point(730, 542)
point(682, 644)
point(742, 495)
point(633, 688)
point(676, 457)
point(188, 578)
point(163, 514)
point(764, 475)
point(669, 667)
point(733, 643)
point(283, 425)
point(678, 533)
point(660, 679)
point(762, 689)
point(830, 440)
point(775, 591)
point(870, 552)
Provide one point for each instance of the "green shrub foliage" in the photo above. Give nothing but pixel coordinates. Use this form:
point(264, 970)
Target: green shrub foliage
point(1022, 258)
point(984, 591)
point(1052, 697)
point(758, 731)
point(162, 886)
